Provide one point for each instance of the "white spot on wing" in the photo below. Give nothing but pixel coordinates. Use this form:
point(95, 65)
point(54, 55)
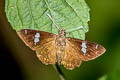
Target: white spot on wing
point(96, 46)
point(37, 35)
point(36, 39)
point(83, 50)
point(25, 31)
point(84, 47)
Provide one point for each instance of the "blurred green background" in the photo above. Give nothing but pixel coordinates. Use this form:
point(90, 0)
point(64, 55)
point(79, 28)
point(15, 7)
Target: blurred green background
point(18, 62)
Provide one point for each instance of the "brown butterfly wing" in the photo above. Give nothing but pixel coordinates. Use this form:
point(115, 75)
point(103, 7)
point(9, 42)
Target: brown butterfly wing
point(93, 50)
point(71, 58)
point(28, 36)
point(47, 53)
point(44, 47)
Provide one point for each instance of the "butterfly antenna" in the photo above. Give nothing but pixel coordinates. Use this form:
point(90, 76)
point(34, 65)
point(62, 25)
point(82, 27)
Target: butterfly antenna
point(53, 22)
point(71, 30)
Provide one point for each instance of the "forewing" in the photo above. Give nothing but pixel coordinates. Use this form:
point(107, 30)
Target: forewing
point(28, 36)
point(46, 53)
point(44, 46)
point(71, 58)
point(85, 49)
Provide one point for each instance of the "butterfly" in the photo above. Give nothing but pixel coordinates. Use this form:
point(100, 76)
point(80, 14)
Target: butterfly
point(51, 48)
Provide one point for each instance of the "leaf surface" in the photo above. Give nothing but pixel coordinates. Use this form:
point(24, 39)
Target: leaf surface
point(32, 14)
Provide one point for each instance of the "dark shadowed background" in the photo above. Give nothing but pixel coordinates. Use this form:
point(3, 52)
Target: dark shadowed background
point(18, 62)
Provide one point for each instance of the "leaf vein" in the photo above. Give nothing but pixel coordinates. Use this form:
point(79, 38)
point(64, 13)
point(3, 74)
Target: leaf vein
point(18, 13)
point(31, 14)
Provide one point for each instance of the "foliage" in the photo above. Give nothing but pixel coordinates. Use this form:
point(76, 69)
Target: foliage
point(32, 14)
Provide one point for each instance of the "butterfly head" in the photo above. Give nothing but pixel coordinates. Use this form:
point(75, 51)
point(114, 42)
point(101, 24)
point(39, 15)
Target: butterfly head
point(62, 32)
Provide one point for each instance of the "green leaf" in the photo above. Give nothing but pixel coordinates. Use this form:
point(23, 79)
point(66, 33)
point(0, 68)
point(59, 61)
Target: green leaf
point(32, 14)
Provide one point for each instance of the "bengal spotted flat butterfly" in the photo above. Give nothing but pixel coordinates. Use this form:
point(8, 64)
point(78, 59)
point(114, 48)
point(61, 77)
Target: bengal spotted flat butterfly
point(51, 48)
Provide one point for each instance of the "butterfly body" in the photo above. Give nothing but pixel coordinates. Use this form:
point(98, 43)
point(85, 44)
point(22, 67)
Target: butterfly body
point(60, 44)
point(52, 49)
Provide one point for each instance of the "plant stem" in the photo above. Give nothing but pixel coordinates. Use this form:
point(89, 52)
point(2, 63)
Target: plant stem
point(57, 68)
